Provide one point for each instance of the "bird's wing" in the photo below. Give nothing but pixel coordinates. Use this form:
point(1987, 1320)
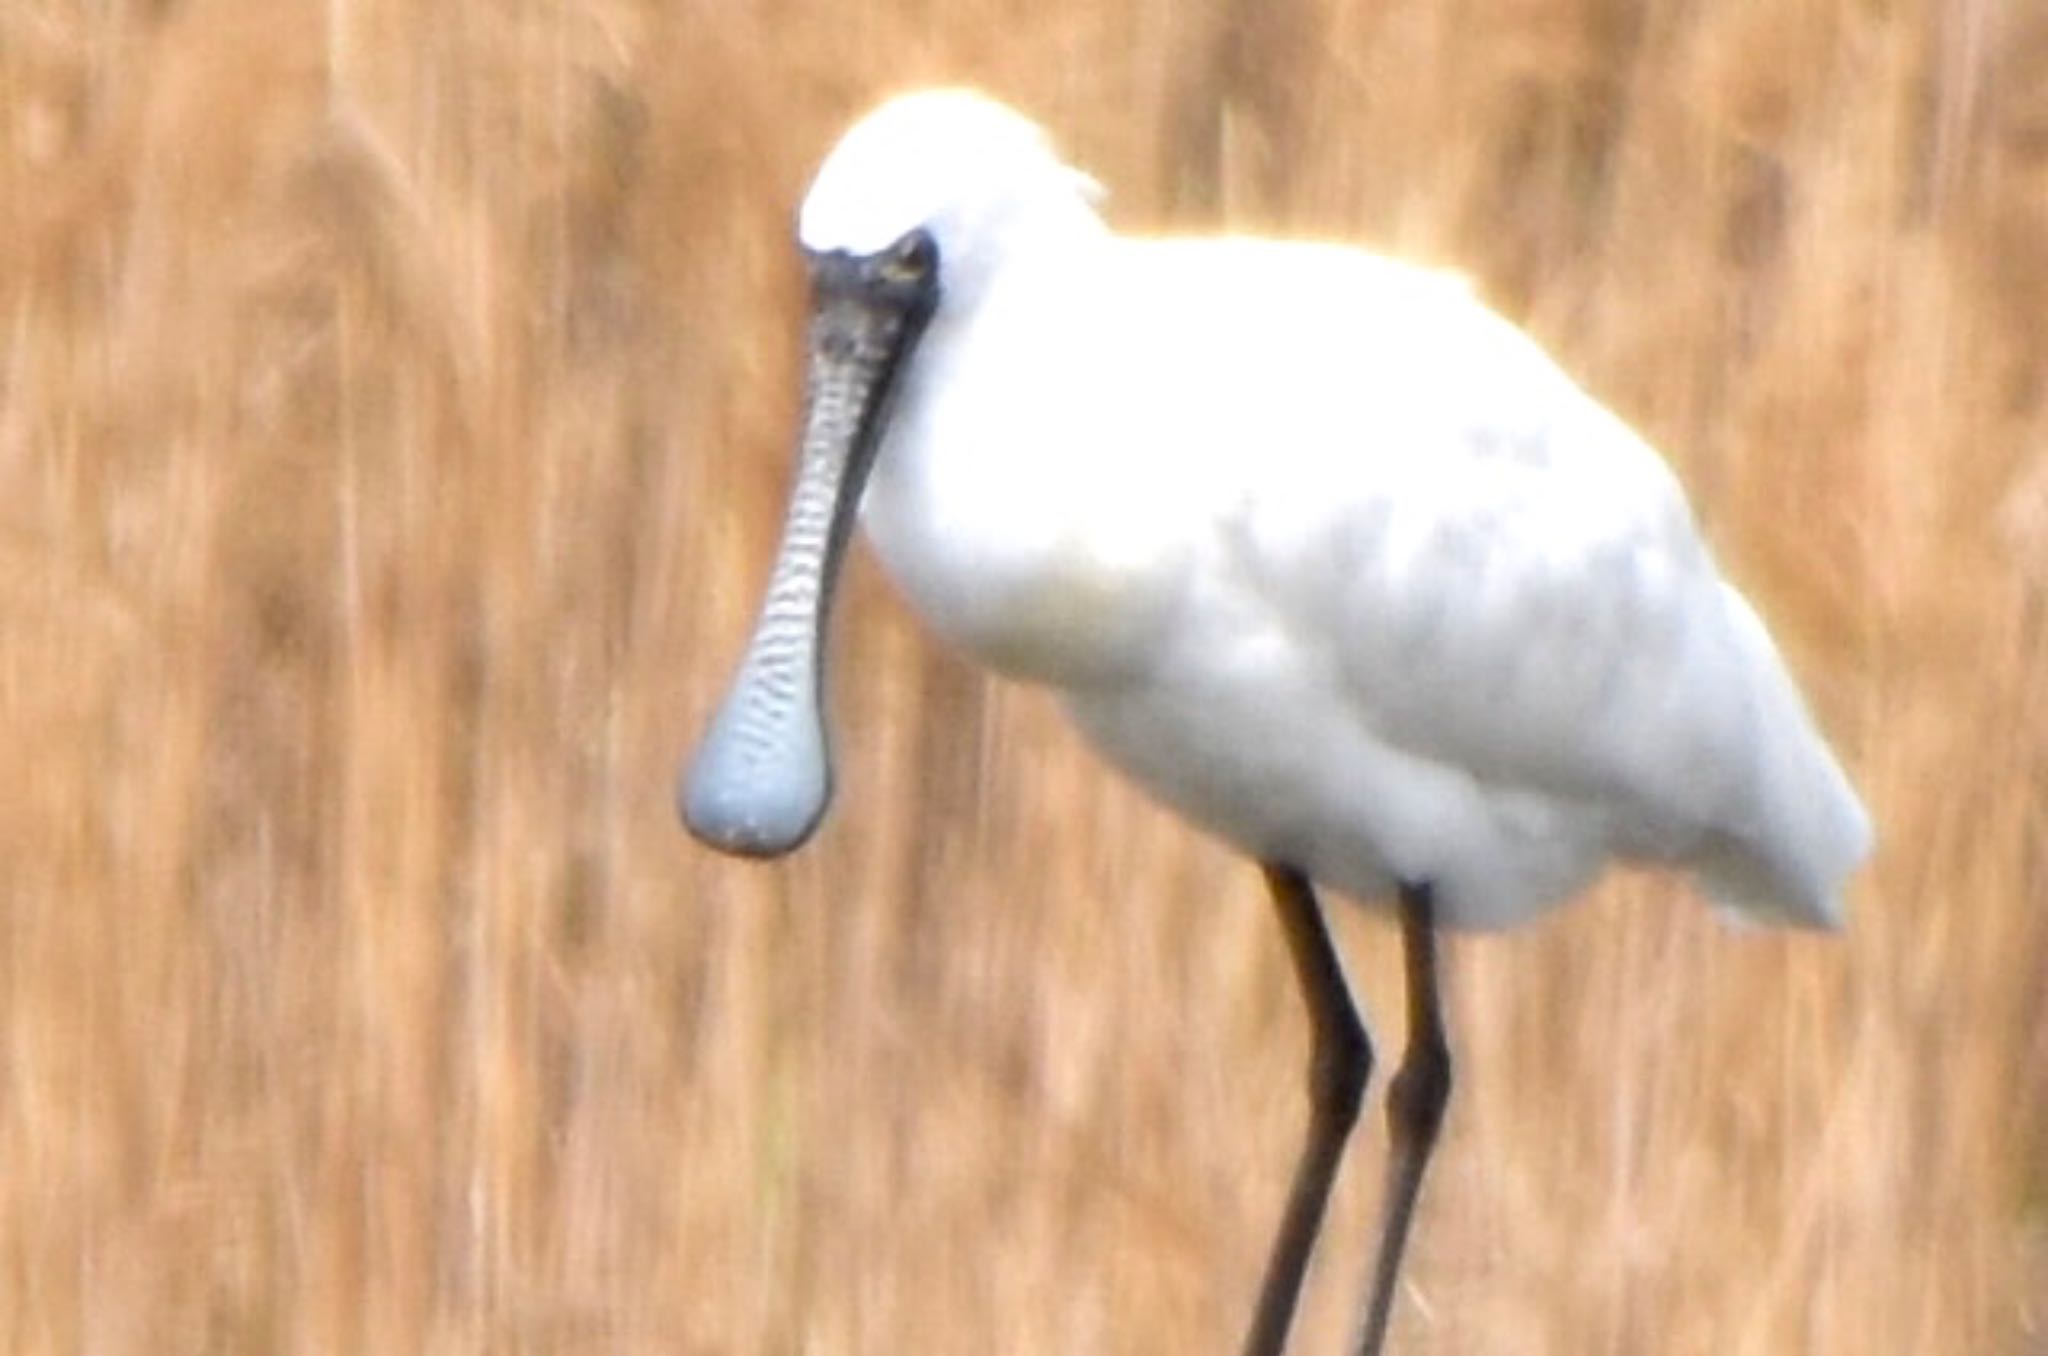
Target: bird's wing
point(1519, 592)
point(1511, 583)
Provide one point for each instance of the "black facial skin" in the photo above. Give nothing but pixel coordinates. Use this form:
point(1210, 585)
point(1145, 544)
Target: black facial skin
point(867, 313)
point(762, 778)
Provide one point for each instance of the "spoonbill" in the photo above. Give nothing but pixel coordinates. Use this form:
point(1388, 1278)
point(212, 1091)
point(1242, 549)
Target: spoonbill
point(1318, 549)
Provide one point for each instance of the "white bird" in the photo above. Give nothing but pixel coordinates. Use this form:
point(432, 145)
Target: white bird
point(1317, 548)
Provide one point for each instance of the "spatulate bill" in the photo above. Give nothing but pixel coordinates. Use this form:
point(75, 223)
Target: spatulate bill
point(762, 777)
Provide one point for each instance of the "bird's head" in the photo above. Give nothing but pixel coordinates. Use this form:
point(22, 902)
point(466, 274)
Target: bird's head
point(951, 166)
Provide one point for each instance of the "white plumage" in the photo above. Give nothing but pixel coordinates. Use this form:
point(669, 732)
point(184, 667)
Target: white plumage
point(1319, 549)
point(1316, 547)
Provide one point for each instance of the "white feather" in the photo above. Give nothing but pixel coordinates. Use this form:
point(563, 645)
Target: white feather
point(1320, 550)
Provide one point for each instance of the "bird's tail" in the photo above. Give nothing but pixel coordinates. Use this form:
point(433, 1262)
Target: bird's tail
point(1787, 851)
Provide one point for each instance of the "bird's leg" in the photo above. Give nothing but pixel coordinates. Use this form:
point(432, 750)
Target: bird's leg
point(1415, 1106)
point(1339, 1067)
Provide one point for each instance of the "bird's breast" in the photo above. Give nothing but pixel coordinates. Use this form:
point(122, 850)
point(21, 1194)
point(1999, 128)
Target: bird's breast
point(1043, 543)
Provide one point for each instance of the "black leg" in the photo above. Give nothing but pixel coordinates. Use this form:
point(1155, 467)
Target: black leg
point(1415, 1107)
point(1339, 1067)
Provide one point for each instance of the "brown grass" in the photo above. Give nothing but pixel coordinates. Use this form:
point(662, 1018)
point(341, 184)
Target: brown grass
point(392, 404)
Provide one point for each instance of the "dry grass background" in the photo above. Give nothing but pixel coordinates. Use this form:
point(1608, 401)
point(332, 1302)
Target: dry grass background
point(392, 405)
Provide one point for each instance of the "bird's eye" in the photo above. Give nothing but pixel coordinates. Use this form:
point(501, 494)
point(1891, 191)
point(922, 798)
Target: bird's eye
point(914, 257)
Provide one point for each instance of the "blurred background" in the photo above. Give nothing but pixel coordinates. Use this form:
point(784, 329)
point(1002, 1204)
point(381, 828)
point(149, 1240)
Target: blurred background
point(393, 405)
